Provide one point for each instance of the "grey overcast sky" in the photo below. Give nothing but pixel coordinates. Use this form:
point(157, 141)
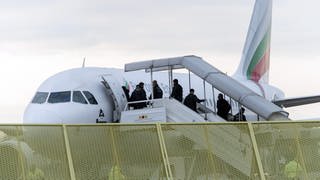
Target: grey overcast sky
point(42, 37)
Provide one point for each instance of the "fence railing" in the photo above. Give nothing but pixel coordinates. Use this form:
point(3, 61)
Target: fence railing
point(265, 150)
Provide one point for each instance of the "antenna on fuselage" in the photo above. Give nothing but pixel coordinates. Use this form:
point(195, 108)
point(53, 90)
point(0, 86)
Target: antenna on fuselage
point(84, 62)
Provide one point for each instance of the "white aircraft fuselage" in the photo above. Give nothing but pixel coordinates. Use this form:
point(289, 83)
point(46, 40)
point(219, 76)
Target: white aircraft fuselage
point(81, 80)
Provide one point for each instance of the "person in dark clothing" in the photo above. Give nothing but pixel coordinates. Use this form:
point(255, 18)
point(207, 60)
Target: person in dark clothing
point(126, 92)
point(157, 92)
point(134, 96)
point(240, 116)
point(223, 107)
point(138, 95)
point(144, 94)
point(191, 100)
point(176, 90)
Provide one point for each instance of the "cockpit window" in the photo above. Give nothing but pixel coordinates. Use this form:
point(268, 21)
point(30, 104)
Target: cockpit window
point(90, 97)
point(78, 97)
point(40, 98)
point(59, 97)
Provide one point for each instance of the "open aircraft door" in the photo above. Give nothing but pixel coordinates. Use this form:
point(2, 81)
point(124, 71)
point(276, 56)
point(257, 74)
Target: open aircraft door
point(115, 90)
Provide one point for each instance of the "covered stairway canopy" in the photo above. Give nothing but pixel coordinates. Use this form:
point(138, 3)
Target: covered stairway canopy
point(218, 80)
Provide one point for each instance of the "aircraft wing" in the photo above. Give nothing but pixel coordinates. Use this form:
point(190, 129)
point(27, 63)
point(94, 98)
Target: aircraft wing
point(291, 102)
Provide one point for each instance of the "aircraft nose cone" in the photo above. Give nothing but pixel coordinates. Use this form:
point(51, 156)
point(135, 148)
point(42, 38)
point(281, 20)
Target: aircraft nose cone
point(35, 115)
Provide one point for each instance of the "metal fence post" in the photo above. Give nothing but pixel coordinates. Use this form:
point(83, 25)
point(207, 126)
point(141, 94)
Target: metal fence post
point(164, 152)
point(256, 151)
point(70, 162)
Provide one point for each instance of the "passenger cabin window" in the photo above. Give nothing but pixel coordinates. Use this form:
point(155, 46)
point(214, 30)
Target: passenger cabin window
point(90, 97)
point(59, 97)
point(78, 97)
point(40, 98)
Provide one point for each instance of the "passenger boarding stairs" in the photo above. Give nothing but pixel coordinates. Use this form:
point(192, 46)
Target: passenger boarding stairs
point(231, 144)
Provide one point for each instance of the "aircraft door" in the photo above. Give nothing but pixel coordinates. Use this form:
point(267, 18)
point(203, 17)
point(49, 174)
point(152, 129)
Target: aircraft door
point(115, 90)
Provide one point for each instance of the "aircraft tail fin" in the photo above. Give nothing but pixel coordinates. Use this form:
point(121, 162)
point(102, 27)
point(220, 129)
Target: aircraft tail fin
point(255, 59)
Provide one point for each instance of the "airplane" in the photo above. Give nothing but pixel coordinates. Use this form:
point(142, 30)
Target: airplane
point(82, 95)
point(78, 96)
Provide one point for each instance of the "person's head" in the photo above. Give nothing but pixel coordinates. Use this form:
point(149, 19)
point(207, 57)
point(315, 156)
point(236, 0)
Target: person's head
point(154, 83)
point(141, 84)
point(220, 96)
point(124, 88)
point(191, 91)
point(175, 81)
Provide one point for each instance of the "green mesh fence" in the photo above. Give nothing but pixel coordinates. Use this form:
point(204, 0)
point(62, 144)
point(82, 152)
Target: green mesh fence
point(279, 150)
